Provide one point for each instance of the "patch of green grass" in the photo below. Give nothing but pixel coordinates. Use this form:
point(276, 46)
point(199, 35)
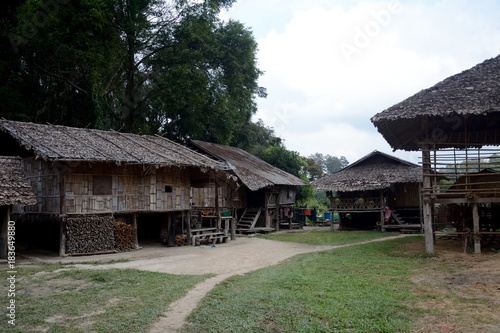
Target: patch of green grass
point(56, 298)
point(326, 237)
point(363, 288)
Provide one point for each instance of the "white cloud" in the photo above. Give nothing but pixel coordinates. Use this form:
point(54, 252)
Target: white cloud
point(319, 94)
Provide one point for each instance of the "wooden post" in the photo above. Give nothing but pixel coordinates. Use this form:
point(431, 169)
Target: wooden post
point(217, 208)
point(171, 222)
point(233, 229)
point(5, 217)
point(332, 220)
point(427, 190)
point(277, 224)
point(62, 211)
point(188, 221)
point(475, 219)
point(62, 237)
point(134, 224)
point(382, 211)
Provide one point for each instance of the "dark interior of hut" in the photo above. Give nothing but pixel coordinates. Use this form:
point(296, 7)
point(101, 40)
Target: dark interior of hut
point(359, 221)
point(152, 228)
point(37, 236)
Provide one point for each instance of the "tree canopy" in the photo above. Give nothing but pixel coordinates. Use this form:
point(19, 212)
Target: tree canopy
point(149, 66)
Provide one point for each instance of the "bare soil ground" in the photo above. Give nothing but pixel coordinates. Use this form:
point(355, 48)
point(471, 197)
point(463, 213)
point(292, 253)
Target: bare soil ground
point(464, 297)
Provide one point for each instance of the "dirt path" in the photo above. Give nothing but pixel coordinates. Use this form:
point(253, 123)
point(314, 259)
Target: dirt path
point(238, 257)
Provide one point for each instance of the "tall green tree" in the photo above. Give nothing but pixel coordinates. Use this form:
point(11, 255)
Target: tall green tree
point(137, 65)
point(320, 164)
point(256, 137)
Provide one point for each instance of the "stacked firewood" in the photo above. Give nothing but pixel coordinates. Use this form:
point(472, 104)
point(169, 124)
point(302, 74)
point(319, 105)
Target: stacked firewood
point(89, 234)
point(180, 240)
point(124, 236)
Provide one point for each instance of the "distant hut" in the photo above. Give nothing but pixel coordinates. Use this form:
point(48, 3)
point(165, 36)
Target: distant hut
point(14, 190)
point(455, 124)
point(363, 191)
point(102, 191)
point(267, 196)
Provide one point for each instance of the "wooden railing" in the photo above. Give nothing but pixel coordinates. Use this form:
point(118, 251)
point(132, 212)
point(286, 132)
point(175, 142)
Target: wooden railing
point(356, 204)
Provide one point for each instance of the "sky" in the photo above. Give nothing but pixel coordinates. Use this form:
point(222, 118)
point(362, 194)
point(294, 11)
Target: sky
point(329, 66)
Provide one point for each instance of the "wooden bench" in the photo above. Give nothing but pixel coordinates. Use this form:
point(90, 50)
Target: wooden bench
point(211, 237)
point(208, 235)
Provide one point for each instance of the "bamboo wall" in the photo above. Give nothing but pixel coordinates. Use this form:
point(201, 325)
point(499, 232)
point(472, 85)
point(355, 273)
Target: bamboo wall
point(133, 189)
point(205, 196)
point(287, 195)
point(44, 178)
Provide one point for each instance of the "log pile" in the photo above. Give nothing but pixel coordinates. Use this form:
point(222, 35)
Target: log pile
point(89, 234)
point(180, 240)
point(124, 236)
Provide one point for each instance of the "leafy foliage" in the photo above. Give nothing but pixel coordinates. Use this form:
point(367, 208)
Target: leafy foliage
point(319, 165)
point(145, 66)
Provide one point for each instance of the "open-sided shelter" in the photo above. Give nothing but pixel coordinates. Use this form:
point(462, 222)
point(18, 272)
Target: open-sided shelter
point(100, 191)
point(14, 190)
point(266, 195)
point(364, 190)
point(455, 124)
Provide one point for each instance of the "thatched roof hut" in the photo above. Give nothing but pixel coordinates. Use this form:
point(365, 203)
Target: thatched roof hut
point(14, 188)
point(62, 143)
point(251, 170)
point(266, 188)
point(374, 171)
point(90, 182)
point(474, 93)
point(454, 123)
point(371, 184)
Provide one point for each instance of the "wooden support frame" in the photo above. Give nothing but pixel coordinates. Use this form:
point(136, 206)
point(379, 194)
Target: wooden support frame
point(4, 221)
point(473, 170)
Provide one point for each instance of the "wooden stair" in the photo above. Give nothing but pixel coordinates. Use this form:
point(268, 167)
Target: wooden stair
point(402, 226)
point(248, 219)
point(397, 218)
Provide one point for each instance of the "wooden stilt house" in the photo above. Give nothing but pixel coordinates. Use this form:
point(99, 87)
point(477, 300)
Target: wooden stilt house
point(455, 124)
point(14, 190)
point(364, 191)
point(265, 196)
point(102, 191)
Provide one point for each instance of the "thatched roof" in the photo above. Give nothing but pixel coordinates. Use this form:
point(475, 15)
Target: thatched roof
point(61, 143)
point(474, 93)
point(252, 171)
point(487, 179)
point(14, 188)
point(374, 171)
